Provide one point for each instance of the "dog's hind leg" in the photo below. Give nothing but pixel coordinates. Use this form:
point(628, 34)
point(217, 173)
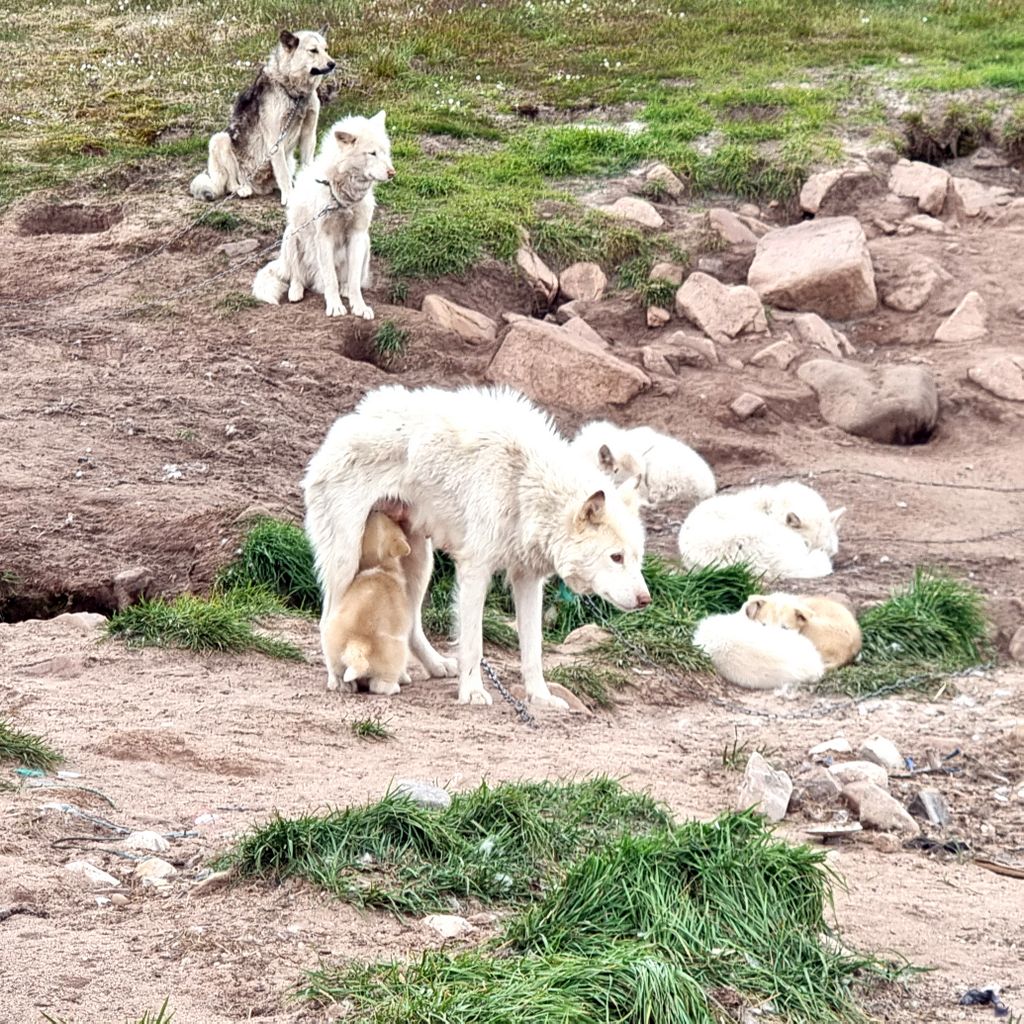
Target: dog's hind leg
point(418, 565)
point(473, 584)
point(528, 593)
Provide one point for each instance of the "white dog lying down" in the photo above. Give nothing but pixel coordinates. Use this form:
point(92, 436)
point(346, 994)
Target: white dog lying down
point(486, 476)
point(326, 244)
point(667, 468)
point(757, 655)
point(782, 529)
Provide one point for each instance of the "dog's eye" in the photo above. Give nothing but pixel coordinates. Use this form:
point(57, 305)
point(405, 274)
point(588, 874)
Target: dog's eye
point(617, 558)
point(374, 153)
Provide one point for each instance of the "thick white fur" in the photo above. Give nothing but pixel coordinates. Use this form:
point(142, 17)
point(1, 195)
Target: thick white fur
point(268, 120)
point(327, 237)
point(487, 478)
point(782, 529)
point(668, 469)
point(756, 655)
point(829, 625)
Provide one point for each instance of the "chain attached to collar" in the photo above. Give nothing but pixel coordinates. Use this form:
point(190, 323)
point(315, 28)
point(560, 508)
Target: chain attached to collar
point(518, 706)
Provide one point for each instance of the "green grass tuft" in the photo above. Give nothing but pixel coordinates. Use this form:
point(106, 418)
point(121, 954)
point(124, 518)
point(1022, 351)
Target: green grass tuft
point(373, 728)
point(492, 845)
point(390, 343)
point(276, 556)
point(161, 1016)
point(27, 749)
point(235, 302)
point(222, 622)
point(680, 925)
point(222, 220)
point(590, 681)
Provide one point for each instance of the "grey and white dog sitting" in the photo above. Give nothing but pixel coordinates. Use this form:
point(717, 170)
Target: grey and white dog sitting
point(326, 244)
point(276, 113)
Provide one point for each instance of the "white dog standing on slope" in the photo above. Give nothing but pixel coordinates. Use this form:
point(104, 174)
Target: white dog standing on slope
point(667, 468)
point(781, 529)
point(269, 118)
point(327, 238)
point(488, 478)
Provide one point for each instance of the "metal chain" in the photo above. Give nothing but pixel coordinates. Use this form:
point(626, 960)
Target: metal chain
point(517, 705)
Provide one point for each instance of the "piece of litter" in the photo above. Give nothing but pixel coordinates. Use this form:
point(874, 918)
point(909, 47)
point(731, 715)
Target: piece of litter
point(69, 775)
point(206, 818)
point(985, 997)
point(29, 773)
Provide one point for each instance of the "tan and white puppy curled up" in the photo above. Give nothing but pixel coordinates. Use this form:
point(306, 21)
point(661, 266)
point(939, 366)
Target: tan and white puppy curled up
point(829, 625)
point(367, 635)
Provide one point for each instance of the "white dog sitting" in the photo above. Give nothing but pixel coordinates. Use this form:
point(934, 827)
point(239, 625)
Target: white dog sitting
point(327, 239)
point(667, 468)
point(782, 529)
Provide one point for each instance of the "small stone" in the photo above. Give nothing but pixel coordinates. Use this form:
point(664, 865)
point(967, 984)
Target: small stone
point(921, 222)
point(985, 159)
point(79, 622)
point(978, 199)
point(860, 771)
point(448, 926)
point(662, 174)
point(834, 828)
point(730, 228)
point(1017, 645)
point(671, 272)
point(1002, 376)
point(583, 638)
point(213, 881)
point(151, 841)
point(917, 280)
point(746, 405)
point(923, 182)
point(968, 322)
point(583, 281)
point(119, 899)
point(95, 876)
point(567, 310)
point(154, 872)
point(702, 346)
point(811, 330)
point(130, 584)
point(765, 789)
point(816, 187)
point(654, 361)
point(883, 842)
point(473, 327)
point(878, 810)
point(246, 245)
point(931, 805)
point(538, 273)
point(422, 793)
point(636, 210)
point(720, 311)
point(581, 329)
point(510, 318)
point(657, 316)
point(839, 745)
point(882, 751)
point(820, 787)
point(779, 354)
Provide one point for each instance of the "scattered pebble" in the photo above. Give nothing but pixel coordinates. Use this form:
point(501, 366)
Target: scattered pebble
point(423, 793)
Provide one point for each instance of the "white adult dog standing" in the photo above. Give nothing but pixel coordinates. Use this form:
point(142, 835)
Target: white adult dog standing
point(668, 469)
point(269, 118)
point(327, 238)
point(781, 529)
point(488, 479)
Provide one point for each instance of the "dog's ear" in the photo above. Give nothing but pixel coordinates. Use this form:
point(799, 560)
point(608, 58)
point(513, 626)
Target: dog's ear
point(836, 514)
point(753, 605)
point(323, 30)
point(629, 492)
point(378, 118)
point(344, 138)
point(591, 513)
point(606, 459)
point(803, 615)
point(397, 546)
point(793, 520)
point(289, 40)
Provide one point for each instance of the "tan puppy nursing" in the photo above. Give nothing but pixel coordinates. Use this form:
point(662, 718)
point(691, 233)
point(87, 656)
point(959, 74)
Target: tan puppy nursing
point(829, 625)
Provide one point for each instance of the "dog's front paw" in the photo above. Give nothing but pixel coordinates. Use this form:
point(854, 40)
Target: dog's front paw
point(383, 688)
point(285, 197)
point(243, 191)
point(296, 292)
point(550, 701)
point(474, 694)
point(442, 668)
point(361, 309)
point(334, 306)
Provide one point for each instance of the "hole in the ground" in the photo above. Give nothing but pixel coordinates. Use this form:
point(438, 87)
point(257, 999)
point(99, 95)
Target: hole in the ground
point(939, 138)
point(69, 219)
point(755, 112)
point(46, 604)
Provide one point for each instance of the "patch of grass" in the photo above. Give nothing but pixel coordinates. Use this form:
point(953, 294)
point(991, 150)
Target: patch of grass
point(390, 343)
point(568, 238)
point(492, 845)
point(27, 749)
point(373, 728)
point(161, 1016)
point(439, 610)
point(276, 556)
point(933, 627)
point(957, 130)
point(222, 220)
point(1012, 132)
point(682, 925)
point(223, 622)
point(736, 754)
point(235, 302)
point(591, 682)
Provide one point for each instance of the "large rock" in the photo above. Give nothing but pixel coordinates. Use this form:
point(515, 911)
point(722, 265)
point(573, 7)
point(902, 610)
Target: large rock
point(578, 326)
point(968, 322)
point(891, 404)
point(839, 191)
point(582, 281)
point(636, 210)
point(556, 367)
point(1003, 376)
point(764, 788)
point(543, 279)
point(663, 176)
point(473, 327)
point(977, 199)
point(779, 354)
point(701, 347)
point(914, 284)
point(720, 311)
point(671, 272)
point(877, 809)
point(923, 182)
point(820, 266)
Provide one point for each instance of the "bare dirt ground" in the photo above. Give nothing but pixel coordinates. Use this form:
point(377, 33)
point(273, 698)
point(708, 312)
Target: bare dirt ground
point(99, 400)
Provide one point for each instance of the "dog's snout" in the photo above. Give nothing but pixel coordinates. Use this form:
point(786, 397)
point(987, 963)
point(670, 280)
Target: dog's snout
point(331, 65)
point(391, 172)
point(643, 600)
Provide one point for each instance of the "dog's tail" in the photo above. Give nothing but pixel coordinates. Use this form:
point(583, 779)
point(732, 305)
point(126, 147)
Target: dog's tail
point(269, 285)
point(356, 658)
point(758, 656)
